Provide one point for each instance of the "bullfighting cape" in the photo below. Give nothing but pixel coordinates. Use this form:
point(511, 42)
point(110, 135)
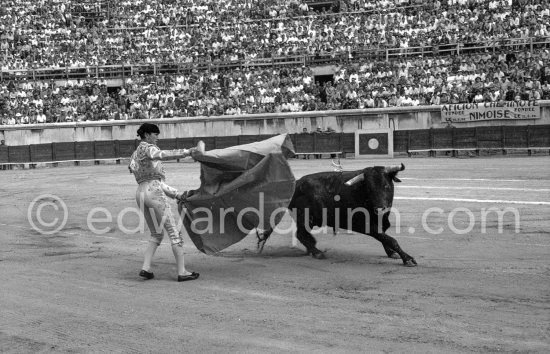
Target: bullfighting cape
point(242, 188)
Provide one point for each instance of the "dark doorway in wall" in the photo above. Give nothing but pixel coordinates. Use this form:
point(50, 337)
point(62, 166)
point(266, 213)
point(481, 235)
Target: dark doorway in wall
point(113, 90)
point(326, 5)
point(324, 78)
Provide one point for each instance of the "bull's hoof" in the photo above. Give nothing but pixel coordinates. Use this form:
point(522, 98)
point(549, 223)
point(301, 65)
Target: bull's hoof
point(318, 255)
point(410, 263)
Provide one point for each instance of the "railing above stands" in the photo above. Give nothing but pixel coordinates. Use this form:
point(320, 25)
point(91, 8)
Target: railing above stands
point(123, 70)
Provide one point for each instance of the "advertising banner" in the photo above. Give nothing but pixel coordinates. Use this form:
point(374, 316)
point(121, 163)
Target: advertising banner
point(472, 112)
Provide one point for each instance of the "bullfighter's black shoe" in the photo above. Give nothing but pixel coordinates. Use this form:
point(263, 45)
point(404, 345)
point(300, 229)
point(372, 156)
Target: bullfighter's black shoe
point(191, 276)
point(146, 274)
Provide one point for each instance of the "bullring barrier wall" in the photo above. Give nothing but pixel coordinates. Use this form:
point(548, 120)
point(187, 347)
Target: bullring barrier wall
point(116, 139)
point(344, 121)
point(504, 138)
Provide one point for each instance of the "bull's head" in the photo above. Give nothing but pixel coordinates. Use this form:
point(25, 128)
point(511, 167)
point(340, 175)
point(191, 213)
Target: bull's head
point(376, 183)
point(390, 171)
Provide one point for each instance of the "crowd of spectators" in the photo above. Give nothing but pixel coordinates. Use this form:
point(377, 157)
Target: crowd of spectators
point(65, 33)
point(55, 33)
point(482, 77)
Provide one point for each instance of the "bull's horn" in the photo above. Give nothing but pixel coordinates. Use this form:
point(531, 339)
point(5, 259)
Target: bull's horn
point(391, 169)
point(355, 179)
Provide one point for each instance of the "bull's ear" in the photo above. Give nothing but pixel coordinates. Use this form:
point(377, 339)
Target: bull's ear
point(395, 179)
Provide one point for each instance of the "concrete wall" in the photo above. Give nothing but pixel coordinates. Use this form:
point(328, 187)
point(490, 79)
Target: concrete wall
point(347, 121)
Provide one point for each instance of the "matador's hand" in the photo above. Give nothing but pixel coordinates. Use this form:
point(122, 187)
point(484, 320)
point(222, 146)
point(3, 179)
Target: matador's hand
point(198, 150)
point(182, 196)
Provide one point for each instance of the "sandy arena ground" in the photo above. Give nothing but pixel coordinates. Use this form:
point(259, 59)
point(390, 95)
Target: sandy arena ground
point(479, 291)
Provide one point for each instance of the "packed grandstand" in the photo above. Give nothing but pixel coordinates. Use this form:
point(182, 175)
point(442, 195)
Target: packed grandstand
point(65, 60)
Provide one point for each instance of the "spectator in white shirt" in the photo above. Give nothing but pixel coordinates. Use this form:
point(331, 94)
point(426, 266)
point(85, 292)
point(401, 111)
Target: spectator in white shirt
point(40, 117)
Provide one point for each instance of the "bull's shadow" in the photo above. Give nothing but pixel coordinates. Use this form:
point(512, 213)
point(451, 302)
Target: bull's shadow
point(358, 200)
point(271, 252)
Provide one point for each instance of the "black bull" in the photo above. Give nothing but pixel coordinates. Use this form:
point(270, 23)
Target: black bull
point(353, 200)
